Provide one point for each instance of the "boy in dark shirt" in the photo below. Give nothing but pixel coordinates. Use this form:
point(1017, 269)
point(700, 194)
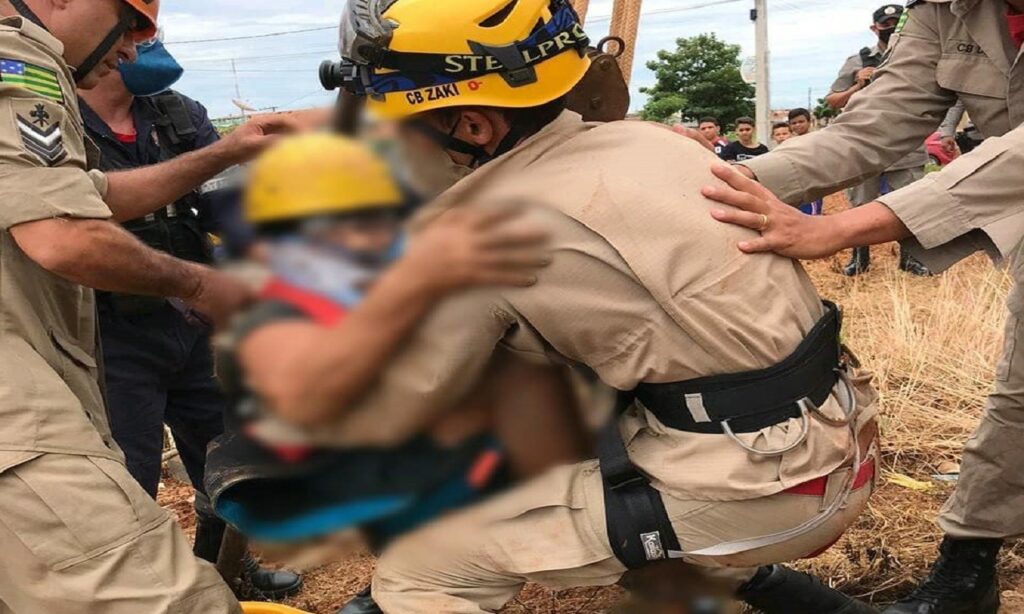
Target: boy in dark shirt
point(711, 130)
point(746, 146)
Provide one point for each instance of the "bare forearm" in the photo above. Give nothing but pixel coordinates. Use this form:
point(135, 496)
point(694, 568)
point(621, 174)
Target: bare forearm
point(135, 193)
point(323, 373)
point(369, 337)
point(102, 255)
point(868, 224)
point(838, 100)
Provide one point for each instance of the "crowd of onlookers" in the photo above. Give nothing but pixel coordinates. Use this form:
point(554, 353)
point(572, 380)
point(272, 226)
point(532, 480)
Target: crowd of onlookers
point(746, 146)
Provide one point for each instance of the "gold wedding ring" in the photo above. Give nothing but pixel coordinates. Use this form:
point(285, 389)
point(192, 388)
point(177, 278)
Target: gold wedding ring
point(765, 221)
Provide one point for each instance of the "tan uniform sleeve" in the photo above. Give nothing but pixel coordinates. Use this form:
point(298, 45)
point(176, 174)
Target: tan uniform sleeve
point(973, 204)
point(43, 160)
point(440, 364)
point(845, 80)
point(888, 120)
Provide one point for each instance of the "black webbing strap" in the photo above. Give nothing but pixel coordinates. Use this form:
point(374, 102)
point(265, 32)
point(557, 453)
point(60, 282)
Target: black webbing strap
point(639, 529)
point(175, 116)
point(28, 13)
point(758, 399)
point(127, 22)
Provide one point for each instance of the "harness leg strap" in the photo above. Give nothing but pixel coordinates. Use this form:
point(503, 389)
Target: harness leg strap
point(639, 529)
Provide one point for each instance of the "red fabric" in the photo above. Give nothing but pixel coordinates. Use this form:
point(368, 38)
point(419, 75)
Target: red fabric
point(818, 486)
point(127, 139)
point(1016, 23)
point(482, 471)
point(285, 453)
point(323, 310)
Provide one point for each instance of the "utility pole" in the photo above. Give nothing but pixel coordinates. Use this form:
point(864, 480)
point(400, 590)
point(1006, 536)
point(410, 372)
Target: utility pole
point(234, 70)
point(760, 18)
point(809, 107)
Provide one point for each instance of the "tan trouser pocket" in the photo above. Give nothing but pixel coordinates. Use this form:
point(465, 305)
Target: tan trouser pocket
point(68, 509)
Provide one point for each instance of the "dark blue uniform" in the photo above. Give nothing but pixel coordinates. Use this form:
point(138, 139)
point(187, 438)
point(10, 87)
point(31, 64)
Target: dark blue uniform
point(159, 368)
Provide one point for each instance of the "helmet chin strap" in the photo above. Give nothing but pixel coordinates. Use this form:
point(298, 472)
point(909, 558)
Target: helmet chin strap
point(27, 13)
point(480, 155)
point(123, 25)
point(108, 43)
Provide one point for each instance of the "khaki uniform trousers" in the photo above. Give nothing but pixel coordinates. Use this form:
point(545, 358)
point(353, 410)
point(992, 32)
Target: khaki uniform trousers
point(552, 531)
point(79, 536)
point(871, 189)
point(989, 498)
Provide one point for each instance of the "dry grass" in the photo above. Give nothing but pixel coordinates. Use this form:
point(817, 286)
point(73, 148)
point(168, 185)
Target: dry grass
point(932, 344)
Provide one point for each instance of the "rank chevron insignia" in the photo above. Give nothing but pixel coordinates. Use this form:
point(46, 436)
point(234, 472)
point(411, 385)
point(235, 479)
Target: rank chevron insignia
point(46, 143)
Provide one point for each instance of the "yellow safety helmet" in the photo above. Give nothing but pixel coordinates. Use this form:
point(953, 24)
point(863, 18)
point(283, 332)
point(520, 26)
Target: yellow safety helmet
point(317, 174)
point(411, 56)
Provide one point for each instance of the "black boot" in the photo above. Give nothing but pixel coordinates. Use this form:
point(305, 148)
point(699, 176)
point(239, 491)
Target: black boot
point(913, 266)
point(362, 603)
point(256, 584)
point(268, 585)
point(779, 590)
point(209, 535)
point(962, 581)
point(860, 261)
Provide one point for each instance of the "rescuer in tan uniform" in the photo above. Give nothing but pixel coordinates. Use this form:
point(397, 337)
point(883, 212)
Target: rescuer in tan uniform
point(78, 535)
point(767, 465)
point(941, 51)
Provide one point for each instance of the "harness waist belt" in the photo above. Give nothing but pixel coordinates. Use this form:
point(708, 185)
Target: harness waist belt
point(748, 402)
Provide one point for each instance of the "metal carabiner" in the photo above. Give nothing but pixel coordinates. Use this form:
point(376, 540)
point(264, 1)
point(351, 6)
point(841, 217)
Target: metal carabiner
point(849, 407)
point(805, 429)
point(620, 45)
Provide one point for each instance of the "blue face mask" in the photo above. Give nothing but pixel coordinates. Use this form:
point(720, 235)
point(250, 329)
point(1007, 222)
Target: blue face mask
point(153, 72)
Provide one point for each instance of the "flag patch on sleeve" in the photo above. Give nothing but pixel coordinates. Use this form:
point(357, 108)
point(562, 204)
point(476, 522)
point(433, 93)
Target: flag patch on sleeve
point(38, 80)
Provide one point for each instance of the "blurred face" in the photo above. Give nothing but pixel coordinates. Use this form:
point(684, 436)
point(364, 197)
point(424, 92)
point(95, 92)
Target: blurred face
point(367, 237)
point(745, 133)
point(82, 25)
point(430, 169)
point(709, 130)
point(780, 135)
point(800, 126)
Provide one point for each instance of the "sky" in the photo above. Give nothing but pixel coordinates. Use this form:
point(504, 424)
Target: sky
point(808, 41)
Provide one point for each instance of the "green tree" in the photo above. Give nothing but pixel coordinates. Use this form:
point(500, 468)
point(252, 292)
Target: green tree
point(824, 110)
point(700, 78)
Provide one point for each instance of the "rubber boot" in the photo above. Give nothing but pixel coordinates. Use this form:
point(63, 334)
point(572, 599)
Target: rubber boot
point(860, 262)
point(362, 603)
point(913, 266)
point(779, 590)
point(962, 581)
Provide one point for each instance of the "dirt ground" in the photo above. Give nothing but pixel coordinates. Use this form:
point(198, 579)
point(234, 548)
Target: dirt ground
point(933, 344)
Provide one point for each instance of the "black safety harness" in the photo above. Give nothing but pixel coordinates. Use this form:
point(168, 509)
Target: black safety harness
point(638, 526)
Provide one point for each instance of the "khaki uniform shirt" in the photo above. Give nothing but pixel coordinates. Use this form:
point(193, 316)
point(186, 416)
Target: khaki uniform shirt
point(50, 399)
point(847, 79)
point(644, 287)
point(945, 50)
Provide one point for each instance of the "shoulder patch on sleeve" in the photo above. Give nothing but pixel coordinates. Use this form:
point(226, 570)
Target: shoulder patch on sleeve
point(903, 18)
point(39, 127)
point(36, 79)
